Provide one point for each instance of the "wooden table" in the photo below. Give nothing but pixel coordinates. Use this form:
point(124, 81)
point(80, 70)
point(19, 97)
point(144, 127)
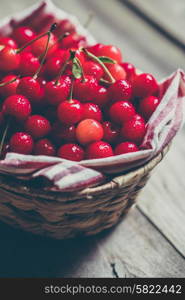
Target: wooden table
point(151, 239)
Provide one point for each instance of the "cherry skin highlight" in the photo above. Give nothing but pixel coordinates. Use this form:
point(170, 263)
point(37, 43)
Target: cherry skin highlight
point(71, 152)
point(44, 147)
point(22, 143)
point(99, 150)
point(125, 147)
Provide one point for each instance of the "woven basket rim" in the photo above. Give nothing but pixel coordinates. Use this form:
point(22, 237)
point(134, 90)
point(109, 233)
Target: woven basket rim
point(125, 178)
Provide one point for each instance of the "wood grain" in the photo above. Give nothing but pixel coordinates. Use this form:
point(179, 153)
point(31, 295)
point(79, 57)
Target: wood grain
point(132, 249)
point(170, 15)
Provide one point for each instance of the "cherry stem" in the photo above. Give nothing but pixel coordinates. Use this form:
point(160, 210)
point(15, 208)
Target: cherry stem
point(80, 65)
point(96, 59)
point(71, 91)
point(4, 135)
point(89, 20)
point(52, 28)
point(61, 37)
point(44, 56)
point(8, 82)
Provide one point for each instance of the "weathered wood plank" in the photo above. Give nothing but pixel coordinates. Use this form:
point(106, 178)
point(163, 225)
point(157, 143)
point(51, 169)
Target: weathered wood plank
point(133, 249)
point(170, 15)
point(163, 199)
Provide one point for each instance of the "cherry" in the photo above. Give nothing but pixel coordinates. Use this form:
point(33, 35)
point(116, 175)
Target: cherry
point(121, 111)
point(147, 106)
point(120, 90)
point(138, 117)
point(91, 111)
point(144, 85)
point(71, 152)
point(64, 26)
point(17, 106)
point(9, 59)
point(30, 88)
point(6, 41)
point(44, 147)
point(21, 142)
point(101, 96)
point(58, 91)
point(133, 130)
point(89, 131)
point(116, 71)
point(95, 48)
point(130, 70)
point(37, 126)
point(39, 46)
point(10, 88)
point(53, 66)
point(70, 111)
point(111, 132)
point(23, 35)
point(85, 90)
point(93, 69)
point(125, 147)
point(29, 64)
point(61, 132)
point(109, 51)
point(99, 150)
point(74, 40)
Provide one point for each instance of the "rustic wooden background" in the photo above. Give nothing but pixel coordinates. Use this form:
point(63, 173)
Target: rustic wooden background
point(150, 242)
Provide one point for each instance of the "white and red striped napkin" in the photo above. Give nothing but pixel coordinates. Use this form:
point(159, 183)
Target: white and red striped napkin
point(71, 176)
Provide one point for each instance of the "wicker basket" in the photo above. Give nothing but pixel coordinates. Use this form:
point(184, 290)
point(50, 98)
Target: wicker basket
point(65, 215)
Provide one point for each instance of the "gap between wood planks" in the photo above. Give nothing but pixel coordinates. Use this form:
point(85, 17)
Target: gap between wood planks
point(164, 31)
point(158, 229)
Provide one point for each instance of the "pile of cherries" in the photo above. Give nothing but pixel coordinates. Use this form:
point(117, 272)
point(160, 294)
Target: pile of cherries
point(61, 97)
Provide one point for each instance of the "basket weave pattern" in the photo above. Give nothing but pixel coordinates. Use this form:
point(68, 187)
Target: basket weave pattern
point(65, 215)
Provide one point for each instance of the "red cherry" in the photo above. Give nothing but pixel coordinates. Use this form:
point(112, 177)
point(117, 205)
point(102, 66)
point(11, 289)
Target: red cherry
point(138, 117)
point(57, 92)
point(64, 26)
point(116, 71)
point(120, 90)
point(91, 111)
point(37, 126)
point(70, 112)
point(23, 35)
point(71, 152)
point(125, 147)
point(53, 66)
point(21, 142)
point(74, 40)
point(95, 49)
point(144, 85)
point(30, 88)
point(130, 70)
point(133, 130)
point(121, 112)
point(39, 46)
point(110, 51)
point(85, 90)
point(111, 132)
point(93, 69)
point(89, 131)
point(29, 64)
point(9, 59)
point(61, 132)
point(44, 147)
point(17, 106)
point(9, 89)
point(100, 96)
point(99, 150)
point(6, 41)
point(147, 106)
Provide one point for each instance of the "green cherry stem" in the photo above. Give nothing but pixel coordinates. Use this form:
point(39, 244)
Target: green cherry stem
point(80, 65)
point(8, 82)
point(52, 28)
point(96, 59)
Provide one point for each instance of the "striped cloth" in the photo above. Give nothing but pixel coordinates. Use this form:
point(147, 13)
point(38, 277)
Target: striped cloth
point(68, 176)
